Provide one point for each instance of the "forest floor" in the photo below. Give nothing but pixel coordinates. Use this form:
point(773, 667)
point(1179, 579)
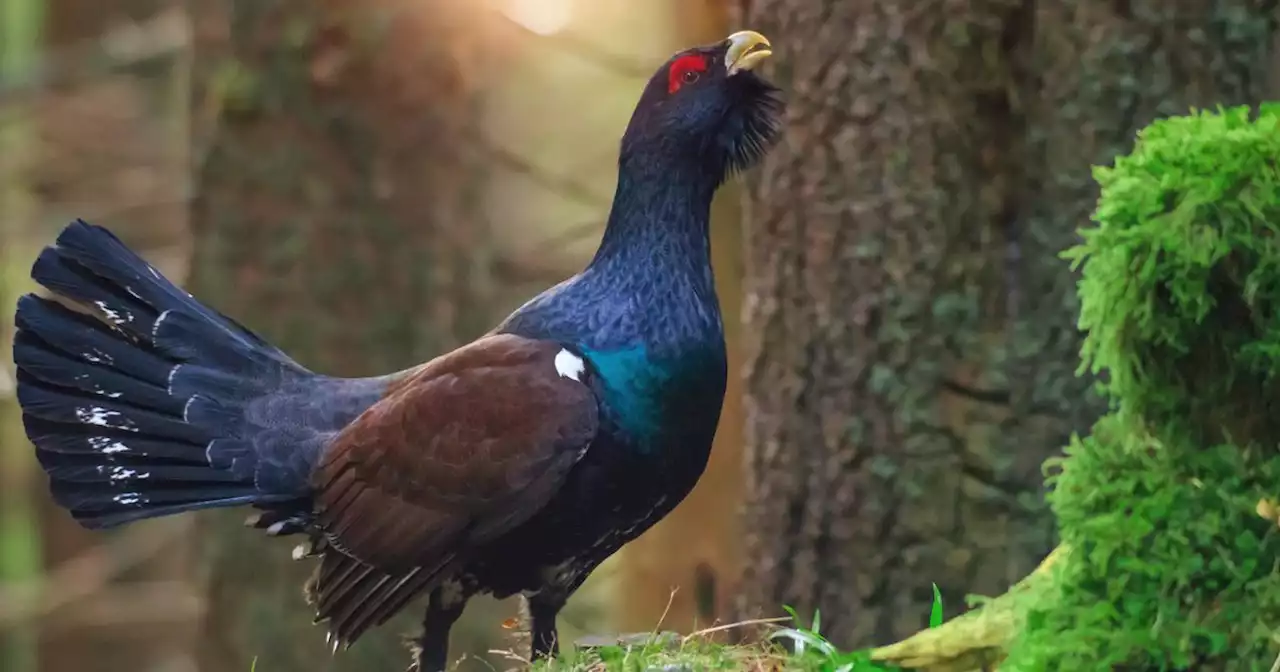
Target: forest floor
point(669, 654)
point(790, 646)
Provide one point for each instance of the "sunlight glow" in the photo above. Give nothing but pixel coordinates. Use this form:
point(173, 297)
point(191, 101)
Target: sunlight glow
point(543, 17)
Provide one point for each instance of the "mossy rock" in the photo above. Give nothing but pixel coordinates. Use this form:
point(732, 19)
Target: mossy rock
point(1172, 566)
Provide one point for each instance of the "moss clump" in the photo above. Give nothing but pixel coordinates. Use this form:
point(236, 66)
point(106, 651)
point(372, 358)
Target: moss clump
point(1180, 292)
point(1172, 568)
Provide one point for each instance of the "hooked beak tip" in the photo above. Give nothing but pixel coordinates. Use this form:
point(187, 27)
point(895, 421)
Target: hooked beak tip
point(747, 49)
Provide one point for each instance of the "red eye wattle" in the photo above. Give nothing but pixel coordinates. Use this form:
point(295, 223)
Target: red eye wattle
point(685, 70)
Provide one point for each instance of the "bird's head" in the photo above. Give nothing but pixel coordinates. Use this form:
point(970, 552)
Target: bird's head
point(706, 105)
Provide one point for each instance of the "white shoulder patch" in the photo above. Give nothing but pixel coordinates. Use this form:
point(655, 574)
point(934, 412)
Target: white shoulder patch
point(569, 365)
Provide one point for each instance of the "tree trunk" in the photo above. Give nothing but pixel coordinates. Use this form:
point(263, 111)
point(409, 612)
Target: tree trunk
point(332, 218)
point(125, 170)
point(913, 340)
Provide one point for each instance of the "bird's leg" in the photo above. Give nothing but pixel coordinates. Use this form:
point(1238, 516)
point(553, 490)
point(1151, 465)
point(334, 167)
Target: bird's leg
point(543, 609)
point(431, 650)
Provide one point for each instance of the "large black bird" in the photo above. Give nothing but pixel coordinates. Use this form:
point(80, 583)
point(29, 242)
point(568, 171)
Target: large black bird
point(514, 464)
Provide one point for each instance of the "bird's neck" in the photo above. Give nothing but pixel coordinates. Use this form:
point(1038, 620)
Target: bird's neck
point(651, 281)
point(659, 224)
point(649, 289)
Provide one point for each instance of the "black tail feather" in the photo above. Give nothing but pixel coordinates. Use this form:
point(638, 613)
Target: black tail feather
point(44, 324)
point(68, 407)
point(56, 443)
point(143, 412)
point(103, 254)
point(60, 370)
point(64, 277)
point(101, 507)
point(79, 471)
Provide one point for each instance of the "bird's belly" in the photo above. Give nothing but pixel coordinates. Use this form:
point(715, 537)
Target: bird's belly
point(604, 504)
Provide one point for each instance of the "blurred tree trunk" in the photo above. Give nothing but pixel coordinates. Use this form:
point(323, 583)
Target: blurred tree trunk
point(21, 41)
point(71, 22)
point(124, 170)
point(911, 330)
point(332, 218)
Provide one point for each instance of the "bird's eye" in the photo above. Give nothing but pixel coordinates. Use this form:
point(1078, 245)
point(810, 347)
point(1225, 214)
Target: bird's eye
point(686, 70)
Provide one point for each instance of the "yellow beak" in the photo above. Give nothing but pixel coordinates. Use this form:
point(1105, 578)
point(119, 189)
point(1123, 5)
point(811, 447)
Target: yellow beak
point(747, 49)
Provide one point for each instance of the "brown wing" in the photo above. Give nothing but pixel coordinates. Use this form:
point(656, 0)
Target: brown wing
point(458, 452)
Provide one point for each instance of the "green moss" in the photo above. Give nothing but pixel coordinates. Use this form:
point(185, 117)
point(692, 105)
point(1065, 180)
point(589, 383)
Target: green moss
point(1171, 567)
point(1180, 294)
point(1180, 291)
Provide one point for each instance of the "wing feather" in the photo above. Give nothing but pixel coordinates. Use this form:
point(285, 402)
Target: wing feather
point(456, 454)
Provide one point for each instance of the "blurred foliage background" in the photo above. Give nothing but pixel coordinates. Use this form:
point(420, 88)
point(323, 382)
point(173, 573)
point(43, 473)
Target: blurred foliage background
point(370, 182)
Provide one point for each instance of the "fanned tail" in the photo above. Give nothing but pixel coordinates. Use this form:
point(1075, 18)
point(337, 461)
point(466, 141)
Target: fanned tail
point(142, 411)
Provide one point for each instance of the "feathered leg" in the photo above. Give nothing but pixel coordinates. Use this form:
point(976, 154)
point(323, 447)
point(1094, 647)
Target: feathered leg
point(543, 609)
point(431, 649)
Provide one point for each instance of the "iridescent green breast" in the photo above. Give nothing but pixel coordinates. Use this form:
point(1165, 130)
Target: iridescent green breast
point(653, 398)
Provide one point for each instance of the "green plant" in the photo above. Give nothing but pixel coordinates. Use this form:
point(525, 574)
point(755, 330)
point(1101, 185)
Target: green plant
point(935, 612)
point(810, 646)
point(1180, 295)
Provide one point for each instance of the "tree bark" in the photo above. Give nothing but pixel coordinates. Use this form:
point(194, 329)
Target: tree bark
point(332, 218)
point(913, 342)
